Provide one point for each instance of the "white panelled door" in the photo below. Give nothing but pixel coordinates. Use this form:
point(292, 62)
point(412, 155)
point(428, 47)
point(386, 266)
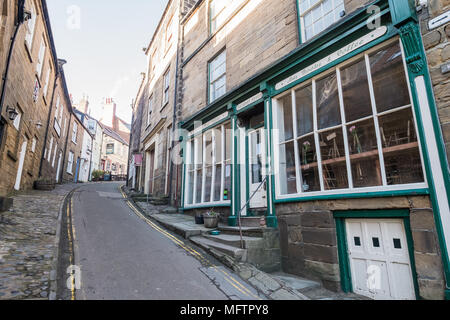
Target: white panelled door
point(379, 259)
point(256, 160)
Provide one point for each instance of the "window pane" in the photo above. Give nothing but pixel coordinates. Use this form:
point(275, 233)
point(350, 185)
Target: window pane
point(190, 188)
point(198, 198)
point(288, 181)
point(255, 159)
point(309, 167)
point(389, 81)
point(208, 148)
point(228, 137)
point(328, 109)
point(286, 124)
point(333, 160)
point(355, 88)
point(364, 155)
point(401, 148)
point(208, 182)
point(227, 184)
point(199, 151)
point(217, 183)
point(218, 142)
point(304, 107)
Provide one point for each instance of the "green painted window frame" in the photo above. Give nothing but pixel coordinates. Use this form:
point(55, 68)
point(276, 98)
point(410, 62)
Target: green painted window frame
point(344, 262)
point(394, 190)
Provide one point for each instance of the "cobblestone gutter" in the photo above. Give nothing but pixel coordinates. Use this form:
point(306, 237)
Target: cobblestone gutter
point(29, 237)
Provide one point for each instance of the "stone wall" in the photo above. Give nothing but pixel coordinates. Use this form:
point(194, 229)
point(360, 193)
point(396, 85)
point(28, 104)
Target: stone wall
point(437, 46)
point(19, 94)
point(309, 245)
point(49, 167)
point(256, 37)
point(75, 148)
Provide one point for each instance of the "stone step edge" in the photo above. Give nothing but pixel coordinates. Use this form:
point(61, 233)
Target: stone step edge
point(247, 272)
point(207, 244)
point(236, 241)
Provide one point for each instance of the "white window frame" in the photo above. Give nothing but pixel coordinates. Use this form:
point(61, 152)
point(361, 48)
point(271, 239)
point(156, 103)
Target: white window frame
point(70, 162)
point(214, 65)
point(50, 149)
point(54, 154)
point(218, 132)
point(47, 80)
point(41, 57)
point(33, 145)
point(375, 114)
point(74, 132)
point(166, 88)
point(31, 25)
point(337, 7)
point(219, 17)
point(17, 120)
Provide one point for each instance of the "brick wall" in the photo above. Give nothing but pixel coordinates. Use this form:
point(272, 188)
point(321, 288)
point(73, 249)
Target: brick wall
point(437, 46)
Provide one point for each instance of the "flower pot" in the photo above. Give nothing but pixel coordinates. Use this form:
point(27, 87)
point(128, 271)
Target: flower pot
point(211, 222)
point(199, 220)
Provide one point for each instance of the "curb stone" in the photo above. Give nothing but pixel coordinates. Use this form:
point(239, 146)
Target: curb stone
point(53, 272)
point(263, 282)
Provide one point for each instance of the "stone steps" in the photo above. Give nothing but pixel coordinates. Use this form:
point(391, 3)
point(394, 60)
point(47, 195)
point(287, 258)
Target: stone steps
point(235, 240)
point(207, 244)
point(246, 231)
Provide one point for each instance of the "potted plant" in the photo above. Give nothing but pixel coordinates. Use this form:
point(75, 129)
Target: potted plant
point(199, 219)
point(211, 219)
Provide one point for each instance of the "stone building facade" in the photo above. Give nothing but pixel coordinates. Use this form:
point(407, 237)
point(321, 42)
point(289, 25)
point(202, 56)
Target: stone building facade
point(155, 105)
point(329, 119)
point(27, 90)
point(73, 153)
point(37, 119)
point(52, 163)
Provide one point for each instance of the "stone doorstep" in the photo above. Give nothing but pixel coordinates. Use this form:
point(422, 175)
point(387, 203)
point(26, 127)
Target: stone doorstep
point(235, 240)
point(246, 231)
point(235, 253)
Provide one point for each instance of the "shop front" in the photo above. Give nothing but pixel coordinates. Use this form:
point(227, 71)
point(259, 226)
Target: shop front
point(339, 146)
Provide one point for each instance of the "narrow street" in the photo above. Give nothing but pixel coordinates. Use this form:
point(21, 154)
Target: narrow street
point(123, 257)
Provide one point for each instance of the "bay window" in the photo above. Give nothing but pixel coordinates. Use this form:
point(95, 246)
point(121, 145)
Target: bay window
point(317, 15)
point(348, 129)
point(208, 167)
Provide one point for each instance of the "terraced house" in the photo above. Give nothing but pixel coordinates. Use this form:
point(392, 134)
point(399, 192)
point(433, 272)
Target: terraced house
point(329, 119)
point(36, 111)
point(155, 109)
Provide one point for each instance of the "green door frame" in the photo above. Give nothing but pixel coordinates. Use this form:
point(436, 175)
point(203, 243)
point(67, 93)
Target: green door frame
point(344, 260)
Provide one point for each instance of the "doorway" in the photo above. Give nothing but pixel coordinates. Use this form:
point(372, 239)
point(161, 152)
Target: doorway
point(256, 164)
point(22, 155)
point(151, 169)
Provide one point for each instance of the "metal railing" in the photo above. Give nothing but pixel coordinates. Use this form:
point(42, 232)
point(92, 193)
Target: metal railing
point(244, 207)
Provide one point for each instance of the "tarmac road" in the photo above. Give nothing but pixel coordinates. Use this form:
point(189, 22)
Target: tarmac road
point(122, 257)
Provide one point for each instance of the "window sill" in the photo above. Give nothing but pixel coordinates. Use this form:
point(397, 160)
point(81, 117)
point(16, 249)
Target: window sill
point(210, 205)
point(371, 192)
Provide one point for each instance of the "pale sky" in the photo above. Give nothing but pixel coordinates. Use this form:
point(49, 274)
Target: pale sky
point(102, 41)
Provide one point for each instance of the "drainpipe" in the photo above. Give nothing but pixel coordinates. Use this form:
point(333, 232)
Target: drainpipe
point(20, 20)
point(174, 119)
point(60, 63)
